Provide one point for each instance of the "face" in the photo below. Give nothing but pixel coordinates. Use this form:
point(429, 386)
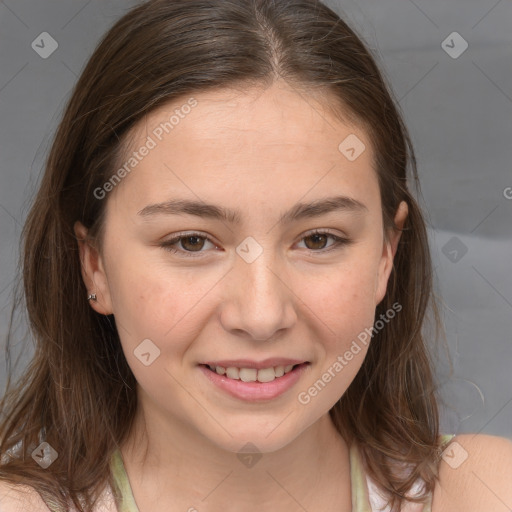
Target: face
point(256, 289)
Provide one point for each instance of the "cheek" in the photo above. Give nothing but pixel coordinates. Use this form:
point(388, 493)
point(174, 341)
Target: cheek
point(151, 301)
point(346, 308)
point(172, 306)
point(342, 298)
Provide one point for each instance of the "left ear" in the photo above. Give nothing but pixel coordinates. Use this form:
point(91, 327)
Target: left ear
point(388, 253)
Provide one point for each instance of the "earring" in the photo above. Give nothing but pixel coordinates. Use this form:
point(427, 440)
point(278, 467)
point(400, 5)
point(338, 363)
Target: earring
point(91, 296)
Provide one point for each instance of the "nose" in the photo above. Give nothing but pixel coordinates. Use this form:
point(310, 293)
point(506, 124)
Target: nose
point(259, 299)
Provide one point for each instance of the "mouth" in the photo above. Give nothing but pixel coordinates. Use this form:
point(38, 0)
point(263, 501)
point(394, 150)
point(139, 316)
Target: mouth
point(247, 373)
point(250, 384)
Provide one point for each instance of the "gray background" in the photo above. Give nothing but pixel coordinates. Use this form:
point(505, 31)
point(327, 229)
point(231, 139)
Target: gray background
point(458, 110)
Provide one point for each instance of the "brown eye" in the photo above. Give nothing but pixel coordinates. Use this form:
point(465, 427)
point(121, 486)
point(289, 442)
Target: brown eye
point(192, 243)
point(319, 241)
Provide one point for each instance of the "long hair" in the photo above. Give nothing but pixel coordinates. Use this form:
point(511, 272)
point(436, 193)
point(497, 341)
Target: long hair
point(78, 392)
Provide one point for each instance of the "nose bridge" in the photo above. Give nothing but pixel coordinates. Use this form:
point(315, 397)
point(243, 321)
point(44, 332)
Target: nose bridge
point(262, 301)
point(256, 270)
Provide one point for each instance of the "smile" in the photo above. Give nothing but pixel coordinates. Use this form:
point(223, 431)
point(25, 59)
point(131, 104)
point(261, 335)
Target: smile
point(254, 384)
point(253, 374)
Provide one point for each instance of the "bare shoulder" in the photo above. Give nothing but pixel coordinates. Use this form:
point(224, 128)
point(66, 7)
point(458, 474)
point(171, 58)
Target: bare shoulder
point(475, 475)
point(20, 498)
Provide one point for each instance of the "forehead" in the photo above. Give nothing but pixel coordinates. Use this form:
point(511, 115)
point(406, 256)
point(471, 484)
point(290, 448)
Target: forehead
point(270, 144)
point(278, 115)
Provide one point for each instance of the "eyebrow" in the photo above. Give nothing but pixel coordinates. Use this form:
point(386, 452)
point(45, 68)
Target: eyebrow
point(297, 212)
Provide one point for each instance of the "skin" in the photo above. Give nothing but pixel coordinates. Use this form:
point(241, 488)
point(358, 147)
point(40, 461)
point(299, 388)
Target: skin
point(260, 151)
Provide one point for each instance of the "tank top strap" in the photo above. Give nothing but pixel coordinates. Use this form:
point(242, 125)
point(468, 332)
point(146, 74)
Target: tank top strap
point(446, 438)
point(359, 486)
point(122, 483)
point(365, 493)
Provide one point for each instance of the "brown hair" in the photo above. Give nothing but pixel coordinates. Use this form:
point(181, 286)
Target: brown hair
point(78, 391)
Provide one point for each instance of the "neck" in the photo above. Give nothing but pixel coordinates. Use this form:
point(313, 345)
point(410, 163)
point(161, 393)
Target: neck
point(169, 463)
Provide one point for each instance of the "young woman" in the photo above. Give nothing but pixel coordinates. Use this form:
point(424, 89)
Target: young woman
point(226, 276)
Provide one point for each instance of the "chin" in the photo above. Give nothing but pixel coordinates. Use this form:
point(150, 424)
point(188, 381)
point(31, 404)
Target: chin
point(256, 439)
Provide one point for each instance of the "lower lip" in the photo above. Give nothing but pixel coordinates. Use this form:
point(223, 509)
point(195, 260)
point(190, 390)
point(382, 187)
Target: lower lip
point(255, 391)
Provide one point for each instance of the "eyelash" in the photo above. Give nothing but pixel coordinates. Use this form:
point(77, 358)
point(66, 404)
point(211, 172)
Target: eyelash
point(167, 245)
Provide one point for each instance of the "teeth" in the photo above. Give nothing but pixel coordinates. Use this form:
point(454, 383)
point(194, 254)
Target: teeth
point(266, 375)
point(232, 373)
point(252, 374)
point(248, 374)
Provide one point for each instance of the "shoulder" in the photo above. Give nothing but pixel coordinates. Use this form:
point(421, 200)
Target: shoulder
point(475, 475)
point(20, 498)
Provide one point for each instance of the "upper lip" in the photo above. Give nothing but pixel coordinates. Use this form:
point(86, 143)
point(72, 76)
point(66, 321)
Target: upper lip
point(247, 363)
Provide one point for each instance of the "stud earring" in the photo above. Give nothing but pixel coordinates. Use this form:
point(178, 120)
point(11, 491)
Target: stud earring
point(91, 296)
